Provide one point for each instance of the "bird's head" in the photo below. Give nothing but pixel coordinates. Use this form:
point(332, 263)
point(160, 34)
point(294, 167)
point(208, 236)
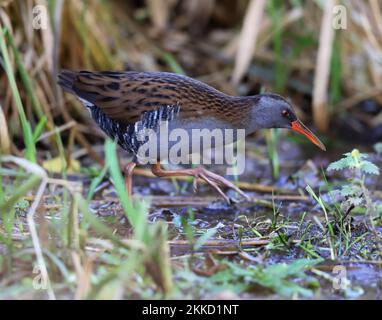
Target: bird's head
point(273, 111)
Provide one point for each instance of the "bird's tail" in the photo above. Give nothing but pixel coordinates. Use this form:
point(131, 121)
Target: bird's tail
point(66, 79)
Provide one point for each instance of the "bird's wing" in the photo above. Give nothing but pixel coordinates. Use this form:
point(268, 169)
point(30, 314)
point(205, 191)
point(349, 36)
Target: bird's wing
point(127, 96)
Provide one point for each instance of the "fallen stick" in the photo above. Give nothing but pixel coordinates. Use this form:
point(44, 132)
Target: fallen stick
point(195, 201)
point(227, 244)
point(241, 184)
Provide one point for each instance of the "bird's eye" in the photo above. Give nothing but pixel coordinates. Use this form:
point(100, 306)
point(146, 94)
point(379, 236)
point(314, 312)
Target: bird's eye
point(285, 113)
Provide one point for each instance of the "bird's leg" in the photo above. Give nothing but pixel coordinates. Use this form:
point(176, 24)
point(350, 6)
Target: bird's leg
point(128, 171)
point(211, 178)
point(220, 181)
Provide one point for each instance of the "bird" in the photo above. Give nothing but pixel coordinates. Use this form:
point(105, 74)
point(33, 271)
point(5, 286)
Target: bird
point(124, 103)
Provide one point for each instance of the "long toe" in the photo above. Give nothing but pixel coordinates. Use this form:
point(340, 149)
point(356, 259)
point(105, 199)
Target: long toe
point(203, 176)
point(224, 182)
point(243, 194)
point(195, 184)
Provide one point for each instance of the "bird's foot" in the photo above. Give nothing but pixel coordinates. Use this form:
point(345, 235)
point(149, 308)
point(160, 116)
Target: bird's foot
point(211, 178)
point(214, 180)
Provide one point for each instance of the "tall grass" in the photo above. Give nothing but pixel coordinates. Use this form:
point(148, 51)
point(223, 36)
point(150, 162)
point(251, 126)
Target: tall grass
point(336, 72)
point(275, 9)
point(25, 125)
point(145, 254)
point(155, 255)
point(272, 138)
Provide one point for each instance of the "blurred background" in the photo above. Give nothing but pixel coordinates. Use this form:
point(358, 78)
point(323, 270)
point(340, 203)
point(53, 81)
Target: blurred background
point(325, 56)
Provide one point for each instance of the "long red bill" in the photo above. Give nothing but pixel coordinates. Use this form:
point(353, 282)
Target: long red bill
point(299, 127)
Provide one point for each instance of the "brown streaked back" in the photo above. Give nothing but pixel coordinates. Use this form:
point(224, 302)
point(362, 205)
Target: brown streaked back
point(125, 96)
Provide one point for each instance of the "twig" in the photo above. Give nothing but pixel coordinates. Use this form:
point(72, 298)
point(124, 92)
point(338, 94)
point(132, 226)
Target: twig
point(182, 201)
point(241, 184)
point(59, 129)
point(224, 243)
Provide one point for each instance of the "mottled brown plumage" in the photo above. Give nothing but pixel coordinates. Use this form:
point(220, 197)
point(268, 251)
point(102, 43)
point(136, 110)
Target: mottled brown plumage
point(125, 96)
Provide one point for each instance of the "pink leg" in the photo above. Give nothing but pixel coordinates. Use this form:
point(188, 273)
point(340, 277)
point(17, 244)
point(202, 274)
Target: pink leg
point(128, 170)
point(211, 178)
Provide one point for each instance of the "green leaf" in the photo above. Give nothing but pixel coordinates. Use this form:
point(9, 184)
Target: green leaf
point(95, 182)
point(339, 165)
point(275, 277)
point(369, 167)
point(378, 148)
point(356, 201)
point(350, 190)
point(37, 131)
point(353, 160)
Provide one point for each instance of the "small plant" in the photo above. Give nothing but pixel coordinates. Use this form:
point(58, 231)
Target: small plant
point(241, 278)
point(355, 193)
point(378, 148)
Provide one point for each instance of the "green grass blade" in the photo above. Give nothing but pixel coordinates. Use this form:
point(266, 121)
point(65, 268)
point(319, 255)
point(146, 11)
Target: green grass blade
point(25, 125)
point(115, 172)
point(40, 125)
point(172, 63)
point(25, 77)
point(19, 192)
point(95, 182)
